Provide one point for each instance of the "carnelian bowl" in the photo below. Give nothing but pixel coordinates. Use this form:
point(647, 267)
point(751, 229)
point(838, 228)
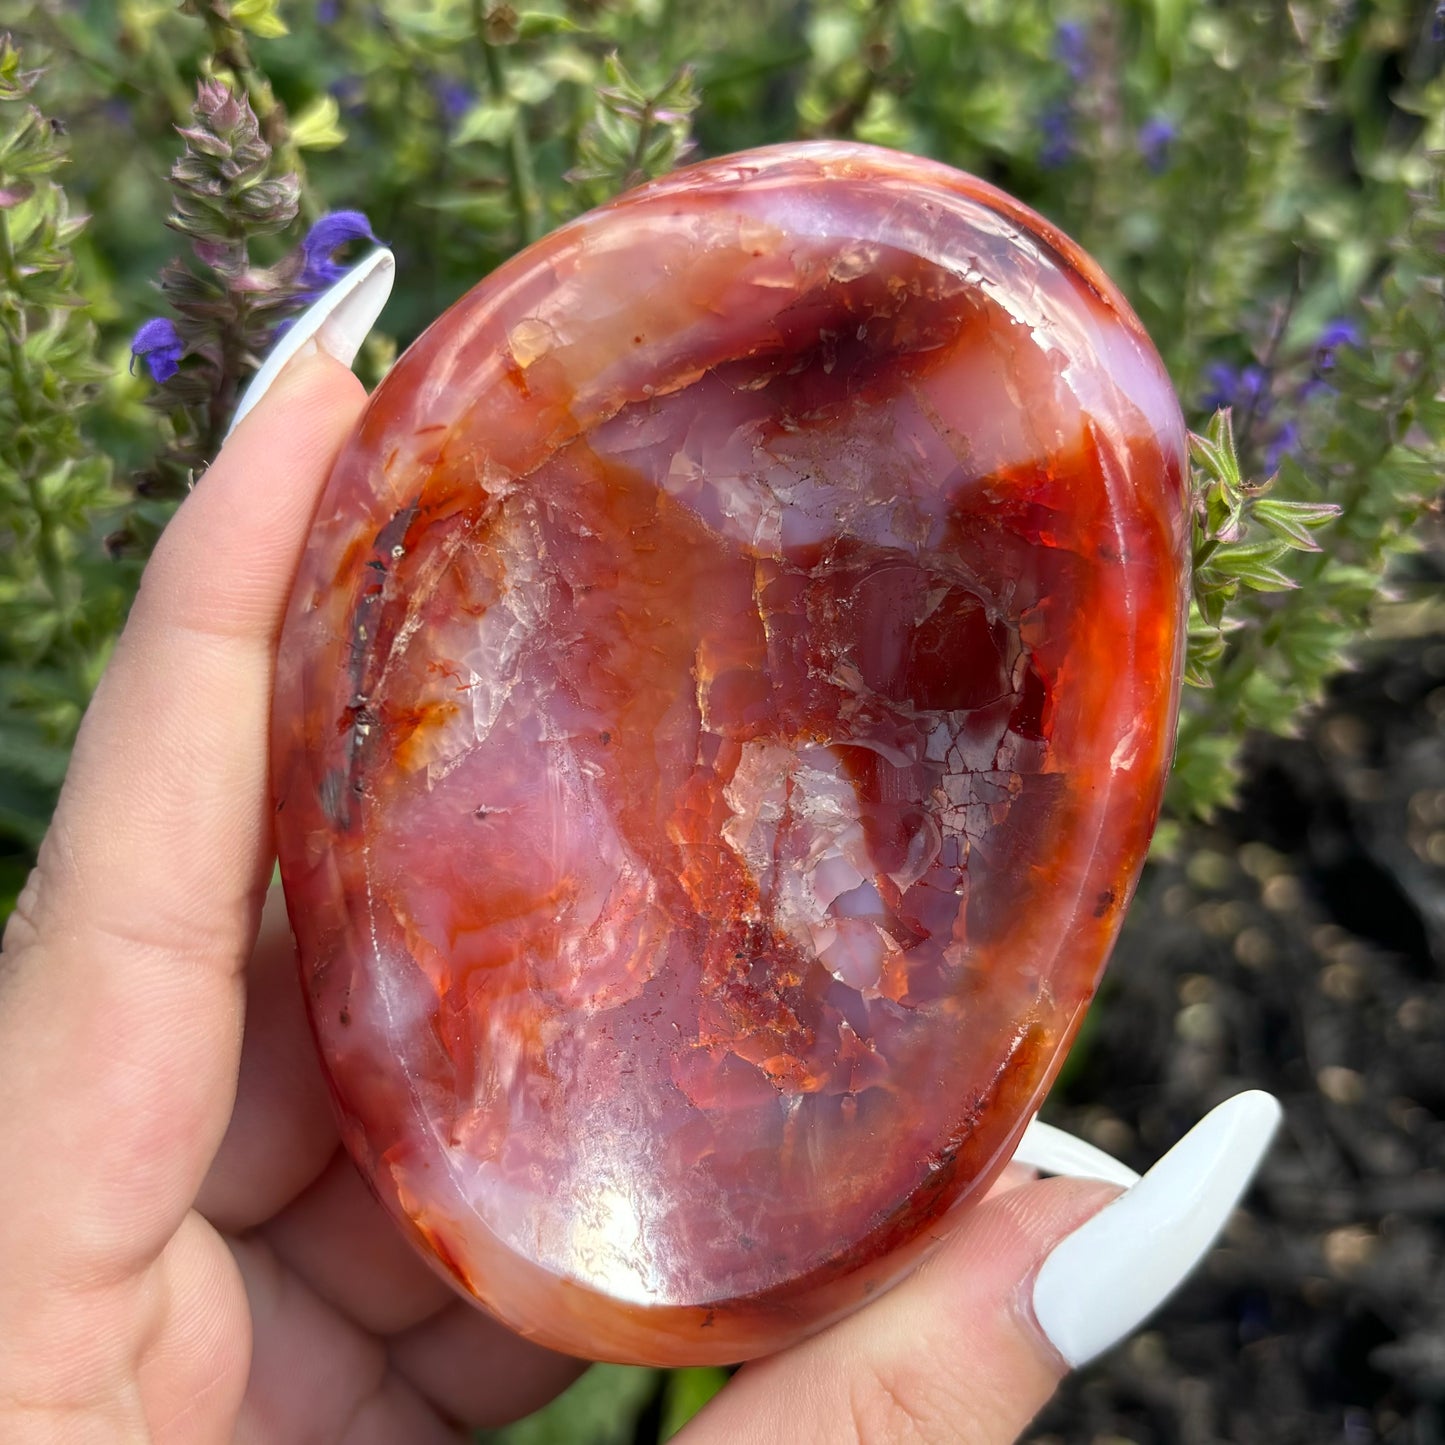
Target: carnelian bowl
point(719, 723)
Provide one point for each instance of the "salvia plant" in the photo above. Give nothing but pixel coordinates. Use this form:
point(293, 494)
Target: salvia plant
point(225, 310)
point(60, 602)
point(1266, 181)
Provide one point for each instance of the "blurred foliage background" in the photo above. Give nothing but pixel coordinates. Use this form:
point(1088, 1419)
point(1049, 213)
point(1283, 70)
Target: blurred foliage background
point(1262, 177)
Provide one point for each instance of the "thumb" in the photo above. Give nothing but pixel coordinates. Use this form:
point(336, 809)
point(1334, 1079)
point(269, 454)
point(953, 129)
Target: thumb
point(1034, 1282)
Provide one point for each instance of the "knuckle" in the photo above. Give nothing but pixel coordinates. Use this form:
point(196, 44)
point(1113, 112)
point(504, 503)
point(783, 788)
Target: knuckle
point(22, 929)
point(32, 917)
point(897, 1402)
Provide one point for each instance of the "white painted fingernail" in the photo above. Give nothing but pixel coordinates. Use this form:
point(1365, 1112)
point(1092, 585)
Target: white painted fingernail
point(1106, 1278)
point(336, 323)
point(1053, 1151)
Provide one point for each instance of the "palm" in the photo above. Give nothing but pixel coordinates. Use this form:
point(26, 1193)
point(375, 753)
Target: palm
point(330, 1280)
point(351, 1338)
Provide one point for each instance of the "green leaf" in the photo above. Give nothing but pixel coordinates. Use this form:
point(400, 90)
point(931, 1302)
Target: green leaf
point(530, 85)
point(1216, 451)
point(1206, 773)
point(15, 83)
point(535, 24)
point(488, 123)
point(684, 1394)
point(260, 17)
point(25, 809)
point(30, 755)
point(318, 127)
point(600, 1409)
point(1294, 522)
point(1253, 564)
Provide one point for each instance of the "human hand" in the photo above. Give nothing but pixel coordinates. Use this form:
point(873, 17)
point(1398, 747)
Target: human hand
point(189, 1256)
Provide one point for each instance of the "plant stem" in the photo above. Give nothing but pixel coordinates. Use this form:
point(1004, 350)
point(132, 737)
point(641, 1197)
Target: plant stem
point(230, 48)
point(168, 80)
point(223, 400)
point(52, 563)
point(645, 128)
point(877, 55)
point(1269, 357)
point(520, 174)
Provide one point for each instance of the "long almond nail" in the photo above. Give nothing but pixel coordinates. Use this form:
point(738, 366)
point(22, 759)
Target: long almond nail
point(1106, 1278)
point(1054, 1151)
point(336, 323)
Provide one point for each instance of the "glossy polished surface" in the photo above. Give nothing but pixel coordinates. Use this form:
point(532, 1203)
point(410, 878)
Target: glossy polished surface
point(720, 720)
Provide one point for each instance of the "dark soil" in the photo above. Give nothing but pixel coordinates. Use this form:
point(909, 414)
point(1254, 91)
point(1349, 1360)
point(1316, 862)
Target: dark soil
point(1302, 950)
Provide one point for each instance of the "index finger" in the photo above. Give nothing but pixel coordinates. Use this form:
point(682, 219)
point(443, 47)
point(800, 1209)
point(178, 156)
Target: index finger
point(122, 984)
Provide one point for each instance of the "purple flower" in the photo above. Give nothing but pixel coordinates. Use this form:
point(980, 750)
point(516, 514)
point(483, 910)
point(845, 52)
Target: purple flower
point(1338, 333)
point(350, 93)
point(1254, 386)
point(333, 231)
point(1286, 443)
point(160, 345)
point(328, 12)
point(1057, 125)
point(1156, 138)
point(453, 98)
point(1242, 388)
point(1071, 48)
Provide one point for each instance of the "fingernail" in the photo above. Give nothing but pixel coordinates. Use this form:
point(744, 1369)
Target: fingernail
point(1053, 1151)
point(336, 323)
point(1106, 1278)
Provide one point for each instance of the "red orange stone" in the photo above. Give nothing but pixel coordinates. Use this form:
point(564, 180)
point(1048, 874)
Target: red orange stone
point(720, 720)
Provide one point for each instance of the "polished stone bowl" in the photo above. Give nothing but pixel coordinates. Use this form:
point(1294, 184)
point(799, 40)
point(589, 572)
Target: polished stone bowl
point(720, 721)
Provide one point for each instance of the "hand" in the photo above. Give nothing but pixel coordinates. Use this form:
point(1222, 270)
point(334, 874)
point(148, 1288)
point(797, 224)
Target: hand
point(189, 1256)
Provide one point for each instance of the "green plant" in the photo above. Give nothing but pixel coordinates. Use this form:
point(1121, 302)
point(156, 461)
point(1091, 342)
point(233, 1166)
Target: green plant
point(61, 601)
